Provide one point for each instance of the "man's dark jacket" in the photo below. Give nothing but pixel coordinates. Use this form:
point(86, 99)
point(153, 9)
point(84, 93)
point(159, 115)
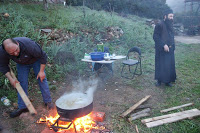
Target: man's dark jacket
point(164, 61)
point(30, 52)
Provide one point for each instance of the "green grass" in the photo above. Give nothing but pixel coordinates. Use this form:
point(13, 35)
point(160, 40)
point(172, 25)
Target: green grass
point(27, 19)
point(185, 90)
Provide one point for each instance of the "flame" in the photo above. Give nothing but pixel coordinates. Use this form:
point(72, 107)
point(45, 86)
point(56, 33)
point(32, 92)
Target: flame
point(83, 124)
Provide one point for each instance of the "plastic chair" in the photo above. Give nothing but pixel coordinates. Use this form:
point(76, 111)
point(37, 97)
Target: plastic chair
point(133, 59)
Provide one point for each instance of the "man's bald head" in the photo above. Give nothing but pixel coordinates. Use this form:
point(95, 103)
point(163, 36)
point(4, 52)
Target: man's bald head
point(11, 46)
point(9, 43)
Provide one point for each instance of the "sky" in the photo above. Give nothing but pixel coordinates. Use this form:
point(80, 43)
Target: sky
point(176, 5)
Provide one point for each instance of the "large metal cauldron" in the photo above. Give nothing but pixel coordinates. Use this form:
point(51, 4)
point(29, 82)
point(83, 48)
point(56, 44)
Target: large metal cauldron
point(75, 113)
point(73, 106)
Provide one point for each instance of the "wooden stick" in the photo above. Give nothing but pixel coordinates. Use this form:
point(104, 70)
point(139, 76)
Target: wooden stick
point(141, 112)
point(138, 116)
point(177, 107)
point(136, 128)
point(173, 119)
point(135, 106)
point(168, 116)
point(24, 96)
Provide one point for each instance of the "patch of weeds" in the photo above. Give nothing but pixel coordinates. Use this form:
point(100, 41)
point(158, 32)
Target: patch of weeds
point(18, 126)
point(10, 93)
point(52, 87)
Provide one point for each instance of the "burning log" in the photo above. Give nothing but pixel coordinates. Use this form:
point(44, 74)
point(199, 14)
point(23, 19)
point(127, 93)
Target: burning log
point(83, 124)
point(41, 120)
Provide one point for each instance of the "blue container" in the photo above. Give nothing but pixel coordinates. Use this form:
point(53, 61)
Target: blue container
point(97, 56)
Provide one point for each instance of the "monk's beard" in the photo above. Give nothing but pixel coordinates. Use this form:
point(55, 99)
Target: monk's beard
point(169, 23)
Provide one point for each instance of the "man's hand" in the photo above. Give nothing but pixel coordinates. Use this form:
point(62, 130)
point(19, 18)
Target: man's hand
point(13, 82)
point(166, 48)
point(41, 75)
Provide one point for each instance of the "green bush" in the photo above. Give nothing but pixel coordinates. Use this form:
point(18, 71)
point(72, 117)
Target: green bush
point(63, 59)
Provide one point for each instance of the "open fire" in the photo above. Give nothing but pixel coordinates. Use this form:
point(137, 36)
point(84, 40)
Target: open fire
point(83, 124)
point(74, 111)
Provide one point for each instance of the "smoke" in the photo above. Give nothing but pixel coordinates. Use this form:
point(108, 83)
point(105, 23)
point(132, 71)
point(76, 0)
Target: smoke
point(85, 86)
point(81, 95)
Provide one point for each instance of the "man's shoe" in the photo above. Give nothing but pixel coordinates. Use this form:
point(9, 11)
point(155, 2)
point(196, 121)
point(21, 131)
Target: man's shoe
point(18, 112)
point(158, 83)
point(168, 84)
point(49, 105)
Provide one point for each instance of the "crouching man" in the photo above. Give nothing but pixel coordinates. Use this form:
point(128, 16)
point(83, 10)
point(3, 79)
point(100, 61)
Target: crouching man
point(27, 54)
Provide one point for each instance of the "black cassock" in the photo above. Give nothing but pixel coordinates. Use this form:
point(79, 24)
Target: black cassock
point(164, 61)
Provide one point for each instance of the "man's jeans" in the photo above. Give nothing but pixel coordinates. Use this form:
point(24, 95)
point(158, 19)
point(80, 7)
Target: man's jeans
point(23, 72)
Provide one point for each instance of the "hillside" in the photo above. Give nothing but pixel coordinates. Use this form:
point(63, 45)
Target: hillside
point(66, 34)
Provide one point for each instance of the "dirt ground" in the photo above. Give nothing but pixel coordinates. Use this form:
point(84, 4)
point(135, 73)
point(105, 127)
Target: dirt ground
point(112, 97)
point(188, 39)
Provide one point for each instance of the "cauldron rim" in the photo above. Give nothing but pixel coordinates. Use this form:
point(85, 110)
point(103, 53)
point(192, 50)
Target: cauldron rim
point(75, 113)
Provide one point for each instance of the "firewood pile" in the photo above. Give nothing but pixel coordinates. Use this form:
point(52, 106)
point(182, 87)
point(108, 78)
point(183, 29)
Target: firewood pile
point(158, 120)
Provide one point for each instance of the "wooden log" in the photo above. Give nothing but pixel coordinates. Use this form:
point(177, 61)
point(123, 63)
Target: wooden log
point(138, 116)
point(24, 96)
point(135, 106)
point(177, 107)
point(144, 106)
point(173, 119)
point(168, 116)
point(141, 112)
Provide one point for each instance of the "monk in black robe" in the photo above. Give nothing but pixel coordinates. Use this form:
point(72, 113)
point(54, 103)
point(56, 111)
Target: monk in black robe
point(164, 50)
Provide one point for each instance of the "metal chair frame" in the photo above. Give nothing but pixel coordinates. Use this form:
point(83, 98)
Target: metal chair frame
point(130, 62)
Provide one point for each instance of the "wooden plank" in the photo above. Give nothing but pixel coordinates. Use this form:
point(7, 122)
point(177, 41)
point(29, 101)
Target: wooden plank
point(135, 106)
point(24, 96)
point(177, 107)
point(141, 112)
point(138, 116)
point(167, 116)
point(173, 119)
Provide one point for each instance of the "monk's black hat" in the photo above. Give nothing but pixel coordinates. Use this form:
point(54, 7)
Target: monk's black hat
point(168, 11)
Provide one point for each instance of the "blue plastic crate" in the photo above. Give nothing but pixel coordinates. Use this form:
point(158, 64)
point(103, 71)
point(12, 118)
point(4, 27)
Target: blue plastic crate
point(97, 56)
